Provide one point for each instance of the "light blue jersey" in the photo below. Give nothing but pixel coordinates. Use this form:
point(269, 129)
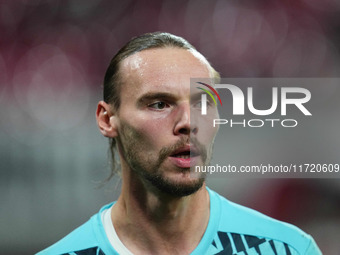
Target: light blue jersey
point(232, 230)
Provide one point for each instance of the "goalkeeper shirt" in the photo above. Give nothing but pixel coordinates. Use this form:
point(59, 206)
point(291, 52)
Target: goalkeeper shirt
point(232, 230)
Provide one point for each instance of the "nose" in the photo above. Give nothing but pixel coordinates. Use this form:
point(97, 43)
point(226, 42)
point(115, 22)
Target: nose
point(182, 121)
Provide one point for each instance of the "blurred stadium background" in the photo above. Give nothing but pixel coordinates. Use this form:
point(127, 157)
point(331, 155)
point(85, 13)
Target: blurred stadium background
point(53, 56)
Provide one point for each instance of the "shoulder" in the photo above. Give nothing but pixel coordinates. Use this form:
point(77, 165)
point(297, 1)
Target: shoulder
point(253, 225)
point(87, 237)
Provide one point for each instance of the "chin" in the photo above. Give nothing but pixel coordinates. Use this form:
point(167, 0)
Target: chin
point(177, 185)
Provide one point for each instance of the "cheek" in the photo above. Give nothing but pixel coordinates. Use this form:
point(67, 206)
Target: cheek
point(206, 126)
point(207, 137)
point(148, 133)
point(206, 130)
point(157, 130)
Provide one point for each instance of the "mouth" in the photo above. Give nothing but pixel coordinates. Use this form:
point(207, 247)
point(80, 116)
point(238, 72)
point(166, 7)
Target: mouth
point(184, 156)
point(185, 152)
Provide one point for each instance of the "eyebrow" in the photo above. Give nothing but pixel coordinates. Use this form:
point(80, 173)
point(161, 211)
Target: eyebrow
point(155, 95)
point(150, 96)
point(198, 95)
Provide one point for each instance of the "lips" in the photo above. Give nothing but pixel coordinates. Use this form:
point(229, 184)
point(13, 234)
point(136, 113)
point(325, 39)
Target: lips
point(185, 151)
point(183, 156)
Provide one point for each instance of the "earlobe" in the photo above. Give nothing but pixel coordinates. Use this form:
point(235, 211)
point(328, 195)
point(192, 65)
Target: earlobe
point(106, 121)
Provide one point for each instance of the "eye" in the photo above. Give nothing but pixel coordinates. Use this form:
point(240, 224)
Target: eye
point(199, 104)
point(158, 105)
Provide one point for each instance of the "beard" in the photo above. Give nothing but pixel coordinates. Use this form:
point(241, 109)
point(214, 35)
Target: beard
point(173, 188)
point(148, 166)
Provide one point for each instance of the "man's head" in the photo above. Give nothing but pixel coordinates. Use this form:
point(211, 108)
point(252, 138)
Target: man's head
point(146, 111)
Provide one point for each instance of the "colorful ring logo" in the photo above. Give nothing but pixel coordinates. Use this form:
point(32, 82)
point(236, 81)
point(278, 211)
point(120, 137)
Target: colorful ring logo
point(213, 90)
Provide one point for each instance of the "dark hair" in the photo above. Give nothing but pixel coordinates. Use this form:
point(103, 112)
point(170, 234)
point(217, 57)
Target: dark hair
point(112, 82)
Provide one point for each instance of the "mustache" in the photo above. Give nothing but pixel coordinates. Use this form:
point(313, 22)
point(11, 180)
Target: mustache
point(169, 150)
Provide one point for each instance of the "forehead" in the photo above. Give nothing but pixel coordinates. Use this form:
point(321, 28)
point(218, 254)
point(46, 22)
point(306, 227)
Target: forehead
point(166, 67)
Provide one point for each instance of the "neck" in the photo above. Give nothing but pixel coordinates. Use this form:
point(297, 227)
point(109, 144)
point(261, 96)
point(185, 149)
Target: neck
point(150, 222)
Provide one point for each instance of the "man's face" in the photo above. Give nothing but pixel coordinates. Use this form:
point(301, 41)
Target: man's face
point(155, 137)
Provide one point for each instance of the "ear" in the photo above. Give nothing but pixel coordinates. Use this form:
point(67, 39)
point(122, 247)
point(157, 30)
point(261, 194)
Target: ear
point(106, 121)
